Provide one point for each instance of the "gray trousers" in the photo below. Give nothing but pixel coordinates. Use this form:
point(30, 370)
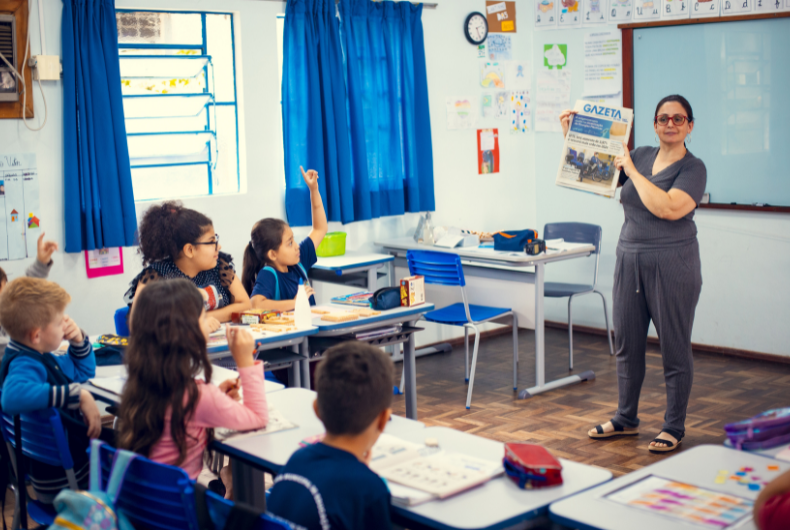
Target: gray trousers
point(662, 286)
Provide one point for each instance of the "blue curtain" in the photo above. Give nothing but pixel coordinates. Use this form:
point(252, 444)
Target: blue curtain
point(355, 108)
point(99, 201)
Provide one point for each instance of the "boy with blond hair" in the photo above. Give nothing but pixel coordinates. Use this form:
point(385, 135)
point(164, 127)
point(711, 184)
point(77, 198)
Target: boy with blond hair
point(32, 378)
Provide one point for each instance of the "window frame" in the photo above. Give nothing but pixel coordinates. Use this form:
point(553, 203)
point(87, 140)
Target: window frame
point(203, 50)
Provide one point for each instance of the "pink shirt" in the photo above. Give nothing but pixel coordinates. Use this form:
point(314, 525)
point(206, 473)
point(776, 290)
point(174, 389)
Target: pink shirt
point(215, 409)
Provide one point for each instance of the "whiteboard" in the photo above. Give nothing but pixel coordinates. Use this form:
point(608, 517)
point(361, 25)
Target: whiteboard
point(736, 75)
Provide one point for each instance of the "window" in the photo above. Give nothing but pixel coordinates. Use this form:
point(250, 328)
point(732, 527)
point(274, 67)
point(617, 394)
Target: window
point(178, 79)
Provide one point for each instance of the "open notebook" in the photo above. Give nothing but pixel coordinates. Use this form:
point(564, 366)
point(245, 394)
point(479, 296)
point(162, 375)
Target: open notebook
point(115, 384)
point(417, 474)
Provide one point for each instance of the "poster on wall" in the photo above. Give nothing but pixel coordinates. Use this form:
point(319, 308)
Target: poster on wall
point(460, 113)
point(501, 17)
point(487, 151)
point(603, 56)
point(501, 105)
point(500, 47)
point(492, 75)
point(520, 111)
point(555, 56)
point(768, 6)
point(546, 14)
point(570, 14)
point(705, 8)
point(645, 10)
point(20, 225)
point(104, 262)
point(519, 75)
point(487, 106)
point(594, 12)
point(620, 11)
point(674, 9)
point(735, 7)
point(552, 97)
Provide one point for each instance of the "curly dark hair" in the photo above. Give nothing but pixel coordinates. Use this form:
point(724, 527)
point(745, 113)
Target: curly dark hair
point(166, 228)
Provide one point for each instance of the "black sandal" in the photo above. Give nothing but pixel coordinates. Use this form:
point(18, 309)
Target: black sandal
point(619, 430)
point(670, 446)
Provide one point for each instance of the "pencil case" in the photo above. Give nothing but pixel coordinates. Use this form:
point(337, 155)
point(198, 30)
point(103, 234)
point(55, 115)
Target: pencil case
point(531, 466)
point(385, 298)
point(763, 431)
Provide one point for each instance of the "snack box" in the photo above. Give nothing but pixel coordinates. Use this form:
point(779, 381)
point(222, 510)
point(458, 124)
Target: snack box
point(412, 291)
point(531, 466)
point(253, 316)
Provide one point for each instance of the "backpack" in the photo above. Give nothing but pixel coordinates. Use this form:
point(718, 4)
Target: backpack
point(277, 279)
point(763, 431)
point(86, 510)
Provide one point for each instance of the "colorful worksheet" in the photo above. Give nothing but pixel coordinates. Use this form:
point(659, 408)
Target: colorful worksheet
point(691, 504)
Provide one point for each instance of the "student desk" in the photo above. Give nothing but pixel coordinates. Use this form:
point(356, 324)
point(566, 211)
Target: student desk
point(218, 374)
point(499, 503)
point(253, 455)
point(341, 269)
point(771, 453)
point(698, 466)
point(333, 332)
point(503, 263)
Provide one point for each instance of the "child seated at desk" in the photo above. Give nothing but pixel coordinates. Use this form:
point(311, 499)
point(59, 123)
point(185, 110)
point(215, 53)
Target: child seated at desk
point(329, 484)
point(32, 378)
point(39, 269)
point(177, 242)
point(772, 507)
point(167, 411)
point(274, 264)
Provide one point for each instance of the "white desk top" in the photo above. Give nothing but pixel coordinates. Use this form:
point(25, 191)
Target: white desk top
point(272, 451)
point(499, 503)
point(390, 316)
point(352, 261)
point(698, 466)
point(489, 255)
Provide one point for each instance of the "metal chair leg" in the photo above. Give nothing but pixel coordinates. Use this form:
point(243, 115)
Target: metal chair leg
point(466, 352)
point(474, 364)
point(402, 380)
point(606, 318)
point(570, 333)
point(515, 351)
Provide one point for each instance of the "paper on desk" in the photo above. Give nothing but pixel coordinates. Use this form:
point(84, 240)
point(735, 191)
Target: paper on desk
point(784, 454)
point(115, 384)
point(277, 422)
point(557, 246)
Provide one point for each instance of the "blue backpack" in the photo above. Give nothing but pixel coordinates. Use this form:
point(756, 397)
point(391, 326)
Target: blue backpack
point(86, 510)
point(277, 279)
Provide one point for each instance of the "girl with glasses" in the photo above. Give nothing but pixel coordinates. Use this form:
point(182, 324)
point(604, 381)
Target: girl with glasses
point(658, 273)
point(176, 242)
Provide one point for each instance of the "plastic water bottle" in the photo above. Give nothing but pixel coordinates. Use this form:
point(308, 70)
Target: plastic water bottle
point(303, 317)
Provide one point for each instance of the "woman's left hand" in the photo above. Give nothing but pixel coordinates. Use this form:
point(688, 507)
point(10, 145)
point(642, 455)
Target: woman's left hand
point(624, 162)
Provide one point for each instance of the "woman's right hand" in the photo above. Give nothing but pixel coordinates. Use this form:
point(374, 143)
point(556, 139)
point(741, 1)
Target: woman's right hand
point(241, 346)
point(565, 120)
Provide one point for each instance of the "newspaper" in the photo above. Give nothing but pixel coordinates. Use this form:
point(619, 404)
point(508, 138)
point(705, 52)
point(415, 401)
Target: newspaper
point(595, 138)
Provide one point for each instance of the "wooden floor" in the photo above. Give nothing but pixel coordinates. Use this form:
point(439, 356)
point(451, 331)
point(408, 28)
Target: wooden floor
point(725, 389)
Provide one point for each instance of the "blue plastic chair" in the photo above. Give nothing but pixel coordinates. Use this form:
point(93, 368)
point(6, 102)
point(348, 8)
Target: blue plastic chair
point(219, 509)
point(121, 322)
point(577, 233)
point(43, 440)
point(153, 496)
point(442, 268)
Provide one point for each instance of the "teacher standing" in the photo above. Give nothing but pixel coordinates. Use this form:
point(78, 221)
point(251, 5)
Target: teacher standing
point(658, 274)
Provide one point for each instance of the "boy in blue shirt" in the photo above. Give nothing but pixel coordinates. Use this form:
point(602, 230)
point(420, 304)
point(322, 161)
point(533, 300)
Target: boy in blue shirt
point(329, 484)
point(32, 378)
point(274, 263)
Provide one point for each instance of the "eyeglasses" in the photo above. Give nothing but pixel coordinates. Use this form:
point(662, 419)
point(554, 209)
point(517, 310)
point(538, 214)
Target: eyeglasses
point(677, 119)
point(215, 242)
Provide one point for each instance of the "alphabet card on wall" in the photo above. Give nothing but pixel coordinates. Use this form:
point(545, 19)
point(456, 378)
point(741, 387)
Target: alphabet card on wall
point(546, 14)
point(645, 10)
point(735, 7)
point(594, 12)
point(705, 8)
point(768, 6)
point(501, 17)
point(19, 206)
point(620, 11)
point(570, 14)
point(674, 9)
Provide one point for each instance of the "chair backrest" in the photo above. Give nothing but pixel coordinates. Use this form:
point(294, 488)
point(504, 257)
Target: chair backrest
point(219, 509)
point(577, 233)
point(440, 268)
point(153, 496)
point(122, 322)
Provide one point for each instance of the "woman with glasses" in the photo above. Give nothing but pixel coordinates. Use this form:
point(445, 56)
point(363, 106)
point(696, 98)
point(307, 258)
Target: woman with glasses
point(658, 274)
point(177, 242)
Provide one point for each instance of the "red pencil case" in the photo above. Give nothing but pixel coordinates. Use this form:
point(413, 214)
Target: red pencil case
point(531, 466)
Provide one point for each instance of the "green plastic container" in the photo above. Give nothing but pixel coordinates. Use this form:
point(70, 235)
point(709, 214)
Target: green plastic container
point(334, 244)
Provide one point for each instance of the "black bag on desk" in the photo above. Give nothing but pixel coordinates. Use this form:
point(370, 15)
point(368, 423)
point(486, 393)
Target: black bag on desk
point(385, 298)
